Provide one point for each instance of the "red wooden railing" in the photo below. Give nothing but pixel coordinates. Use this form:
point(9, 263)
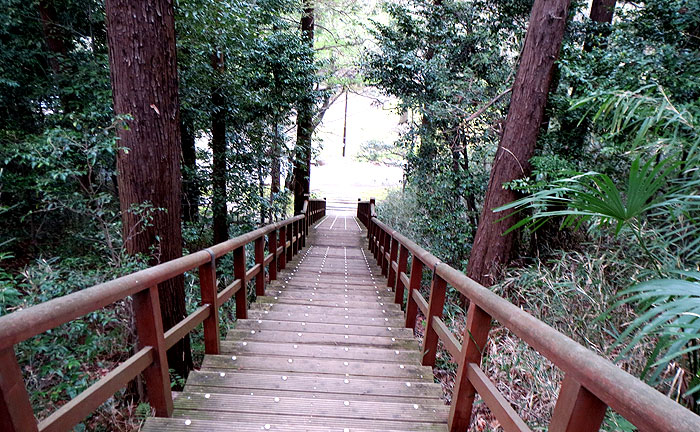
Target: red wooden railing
point(284, 239)
point(591, 383)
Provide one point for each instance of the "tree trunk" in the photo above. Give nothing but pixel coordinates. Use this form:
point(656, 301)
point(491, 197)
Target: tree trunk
point(491, 247)
point(190, 185)
point(141, 39)
point(275, 168)
point(218, 149)
point(302, 160)
point(602, 12)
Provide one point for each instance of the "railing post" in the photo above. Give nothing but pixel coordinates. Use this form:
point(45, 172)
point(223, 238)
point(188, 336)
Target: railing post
point(413, 284)
point(239, 269)
point(207, 285)
point(577, 409)
point(16, 414)
point(260, 259)
point(290, 239)
point(474, 342)
point(402, 261)
point(295, 242)
point(272, 248)
point(435, 305)
point(283, 242)
point(387, 250)
point(391, 280)
point(149, 329)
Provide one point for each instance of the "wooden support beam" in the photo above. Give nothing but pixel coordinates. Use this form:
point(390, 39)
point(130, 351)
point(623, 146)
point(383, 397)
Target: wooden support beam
point(391, 280)
point(402, 261)
point(207, 284)
point(16, 413)
point(414, 284)
point(577, 409)
point(260, 260)
point(474, 342)
point(435, 305)
point(272, 248)
point(239, 272)
point(283, 244)
point(149, 329)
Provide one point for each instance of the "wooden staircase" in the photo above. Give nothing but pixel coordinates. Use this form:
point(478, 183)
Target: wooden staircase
point(325, 349)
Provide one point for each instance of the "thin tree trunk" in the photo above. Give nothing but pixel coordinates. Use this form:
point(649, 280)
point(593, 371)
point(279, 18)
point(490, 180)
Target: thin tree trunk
point(190, 186)
point(218, 148)
point(275, 168)
point(492, 248)
point(141, 39)
point(302, 161)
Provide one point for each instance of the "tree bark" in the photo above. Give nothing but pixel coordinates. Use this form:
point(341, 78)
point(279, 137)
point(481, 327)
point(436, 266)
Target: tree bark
point(190, 184)
point(492, 248)
point(141, 40)
point(302, 160)
point(218, 148)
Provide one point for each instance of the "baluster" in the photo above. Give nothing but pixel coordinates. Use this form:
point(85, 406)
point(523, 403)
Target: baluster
point(239, 269)
point(272, 248)
point(16, 414)
point(149, 329)
point(577, 409)
point(475, 336)
point(295, 238)
point(403, 261)
point(391, 280)
point(435, 305)
point(413, 284)
point(207, 285)
point(260, 259)
point(282, 242)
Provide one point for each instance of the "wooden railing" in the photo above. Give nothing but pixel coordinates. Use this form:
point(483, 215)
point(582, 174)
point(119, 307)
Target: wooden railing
point(284, 239)
point(591, 383)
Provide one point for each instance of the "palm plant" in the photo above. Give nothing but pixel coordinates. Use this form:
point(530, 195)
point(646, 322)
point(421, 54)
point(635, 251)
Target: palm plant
point(660, 206)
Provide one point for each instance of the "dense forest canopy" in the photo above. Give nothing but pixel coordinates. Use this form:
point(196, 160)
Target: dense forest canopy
point(604, 213)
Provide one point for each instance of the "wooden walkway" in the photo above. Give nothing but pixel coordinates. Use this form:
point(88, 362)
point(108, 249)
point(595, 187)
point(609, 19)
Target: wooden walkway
point(325, 350)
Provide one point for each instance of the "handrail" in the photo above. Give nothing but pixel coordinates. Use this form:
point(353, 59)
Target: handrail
point(15, 409)
point(591, 383)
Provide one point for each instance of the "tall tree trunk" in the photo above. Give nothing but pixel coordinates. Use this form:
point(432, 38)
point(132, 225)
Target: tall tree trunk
point(305, 116)
point(218, 148)
point(190, 184)
point(602, 12)
point(275, 167)
point(491, 247)
point(141, 39)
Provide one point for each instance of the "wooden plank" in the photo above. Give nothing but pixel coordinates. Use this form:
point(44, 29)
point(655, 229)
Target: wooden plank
point(198, 425)
point(227, 292)
point(343, 329)
point(325, 310)
point(322, 387)
point(505, 414)
point(448, 339)
point(420, 302)
point(302, 422)
point(181, 329)
point(239, 272)
point(81, 406)
point(305, 316)
point(260, 263)
point(369, 354)
point(253, 272)
point(313, 407)
point(322, 338)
